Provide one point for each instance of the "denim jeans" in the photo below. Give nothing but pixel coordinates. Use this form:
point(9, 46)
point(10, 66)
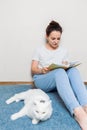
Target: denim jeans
point(69, 85)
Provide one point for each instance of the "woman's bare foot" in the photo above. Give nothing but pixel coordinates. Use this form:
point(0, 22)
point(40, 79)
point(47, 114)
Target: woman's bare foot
point(81, 117)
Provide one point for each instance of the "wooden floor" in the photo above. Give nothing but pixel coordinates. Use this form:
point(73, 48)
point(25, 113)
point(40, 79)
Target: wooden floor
point(15, 82)
point(20, 82)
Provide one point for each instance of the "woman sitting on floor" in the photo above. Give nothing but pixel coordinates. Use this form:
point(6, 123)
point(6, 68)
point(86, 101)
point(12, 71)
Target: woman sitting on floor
point(68, 82)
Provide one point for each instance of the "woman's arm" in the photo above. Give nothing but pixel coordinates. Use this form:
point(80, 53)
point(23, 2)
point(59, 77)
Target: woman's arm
point(36, 70)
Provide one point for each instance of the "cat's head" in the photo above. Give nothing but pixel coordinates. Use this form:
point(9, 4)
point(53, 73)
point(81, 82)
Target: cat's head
point(42, 109)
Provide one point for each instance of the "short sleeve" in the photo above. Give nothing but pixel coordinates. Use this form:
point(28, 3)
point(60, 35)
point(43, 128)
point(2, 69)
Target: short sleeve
point(66, 56)
point(36, 55)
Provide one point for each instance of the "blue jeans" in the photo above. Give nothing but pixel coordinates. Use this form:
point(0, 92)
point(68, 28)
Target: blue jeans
point(69, 86)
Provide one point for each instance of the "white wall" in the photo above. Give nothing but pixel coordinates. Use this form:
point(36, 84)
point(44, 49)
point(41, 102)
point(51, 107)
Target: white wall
point(22, 28)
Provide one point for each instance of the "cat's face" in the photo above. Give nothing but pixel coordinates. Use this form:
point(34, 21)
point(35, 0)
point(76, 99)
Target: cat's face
point(42, 109)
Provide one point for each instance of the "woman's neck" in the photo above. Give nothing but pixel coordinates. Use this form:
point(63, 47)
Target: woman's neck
point(49, 47)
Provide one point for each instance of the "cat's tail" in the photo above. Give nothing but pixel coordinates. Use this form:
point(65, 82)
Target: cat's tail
point(12, 99)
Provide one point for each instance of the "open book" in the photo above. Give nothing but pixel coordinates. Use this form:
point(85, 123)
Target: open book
point(70, 65)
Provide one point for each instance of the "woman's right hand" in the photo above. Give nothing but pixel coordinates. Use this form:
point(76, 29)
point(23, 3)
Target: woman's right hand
point(36, 70)
point(45, 70)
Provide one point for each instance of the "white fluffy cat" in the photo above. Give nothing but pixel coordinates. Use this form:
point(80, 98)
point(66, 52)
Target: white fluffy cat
point(37, 105)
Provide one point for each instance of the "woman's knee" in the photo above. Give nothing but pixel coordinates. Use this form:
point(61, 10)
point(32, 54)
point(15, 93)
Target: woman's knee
point(59, 72)
point(72, 71)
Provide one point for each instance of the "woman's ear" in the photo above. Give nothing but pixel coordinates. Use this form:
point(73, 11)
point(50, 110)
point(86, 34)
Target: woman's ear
point(46, 39)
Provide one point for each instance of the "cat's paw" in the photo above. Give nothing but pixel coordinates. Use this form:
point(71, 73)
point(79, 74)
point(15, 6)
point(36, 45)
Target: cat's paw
point(35, 121)
point(8, 101)
point(14, 117)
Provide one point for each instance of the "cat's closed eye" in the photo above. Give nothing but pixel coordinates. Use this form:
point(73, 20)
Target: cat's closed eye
point(43, 112)
point(42, 101)
point(37, 111)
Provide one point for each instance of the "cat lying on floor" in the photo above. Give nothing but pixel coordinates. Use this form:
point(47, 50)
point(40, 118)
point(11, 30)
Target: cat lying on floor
point(37, 105)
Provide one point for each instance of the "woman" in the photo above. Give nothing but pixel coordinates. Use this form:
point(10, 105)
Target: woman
point(68, 82)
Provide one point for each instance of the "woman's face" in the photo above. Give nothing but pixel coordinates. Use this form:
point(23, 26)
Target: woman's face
point(53, 39)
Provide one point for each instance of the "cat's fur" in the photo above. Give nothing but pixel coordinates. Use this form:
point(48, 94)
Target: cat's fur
point(37, 105)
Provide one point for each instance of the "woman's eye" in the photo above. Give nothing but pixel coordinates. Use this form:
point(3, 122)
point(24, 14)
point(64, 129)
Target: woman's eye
point(58, 38)
point(55, 38)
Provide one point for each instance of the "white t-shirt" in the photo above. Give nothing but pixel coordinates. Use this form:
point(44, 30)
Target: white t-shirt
point(45, 57)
